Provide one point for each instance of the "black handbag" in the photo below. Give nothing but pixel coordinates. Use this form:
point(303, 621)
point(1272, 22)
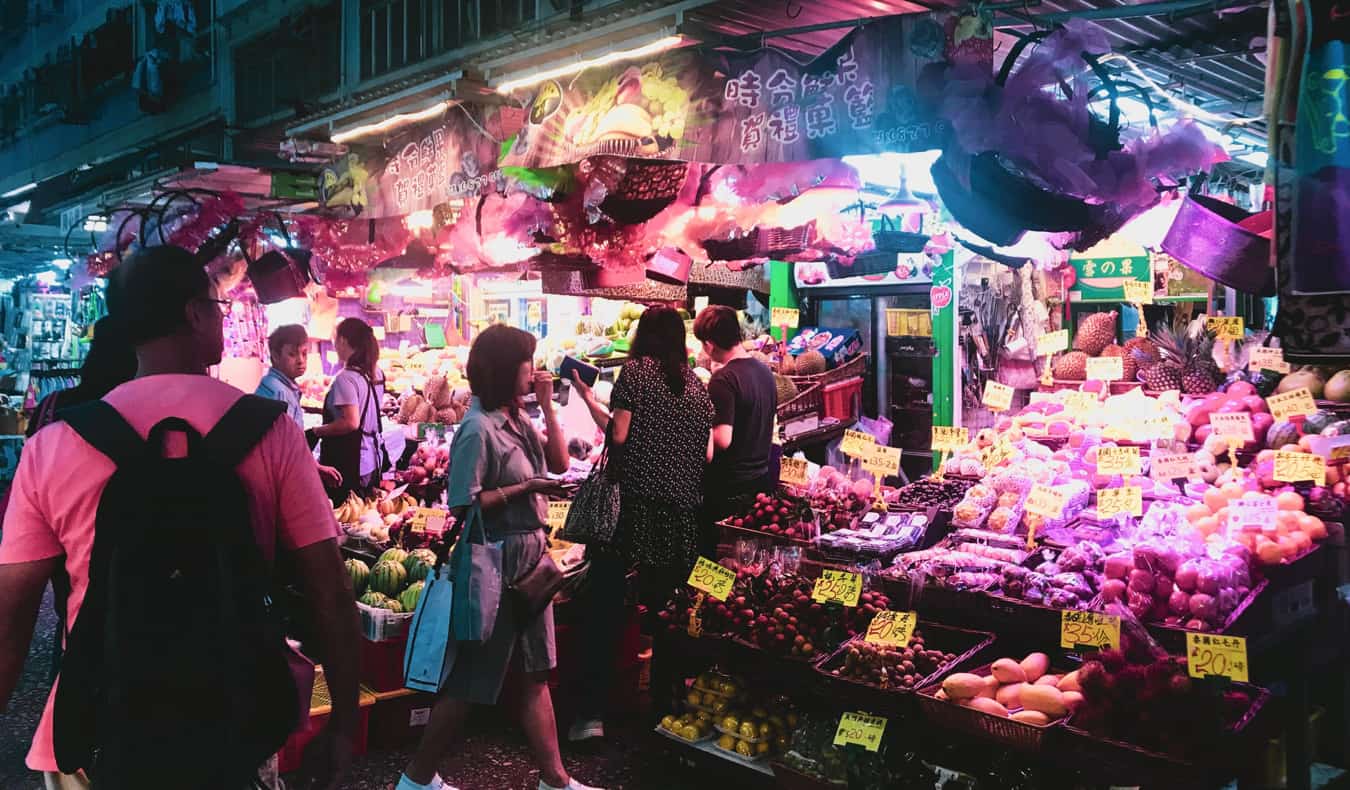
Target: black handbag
point(535, 590)
point(594, 516)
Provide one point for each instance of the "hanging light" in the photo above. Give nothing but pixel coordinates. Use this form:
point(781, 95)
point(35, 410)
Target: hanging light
point(614, 56)
point(903, 201)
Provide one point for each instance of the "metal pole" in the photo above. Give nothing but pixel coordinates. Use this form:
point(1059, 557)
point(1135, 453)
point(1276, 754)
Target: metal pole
point(1130, 11)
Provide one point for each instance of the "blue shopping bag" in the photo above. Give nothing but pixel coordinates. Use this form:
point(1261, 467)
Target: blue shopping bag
point(431, 652)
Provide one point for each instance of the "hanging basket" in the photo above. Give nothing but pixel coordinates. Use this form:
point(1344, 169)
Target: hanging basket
point(761, 243)
point(891, 239)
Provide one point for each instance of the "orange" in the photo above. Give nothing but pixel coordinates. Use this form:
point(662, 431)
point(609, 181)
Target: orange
point(1289, 500)
point(1196, 512)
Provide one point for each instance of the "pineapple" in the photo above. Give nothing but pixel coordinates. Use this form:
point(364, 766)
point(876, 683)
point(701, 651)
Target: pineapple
point(1144, 345)
point(1189, 361)
point(1095, 332)
point(1071, 366)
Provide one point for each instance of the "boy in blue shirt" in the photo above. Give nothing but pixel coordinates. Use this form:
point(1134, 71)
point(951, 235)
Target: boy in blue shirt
point(289, 348)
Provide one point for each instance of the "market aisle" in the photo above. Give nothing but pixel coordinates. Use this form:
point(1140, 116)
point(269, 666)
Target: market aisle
point(494, 759)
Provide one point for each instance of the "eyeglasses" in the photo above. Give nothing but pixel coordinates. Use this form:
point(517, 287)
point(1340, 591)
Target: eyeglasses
point(224, 305)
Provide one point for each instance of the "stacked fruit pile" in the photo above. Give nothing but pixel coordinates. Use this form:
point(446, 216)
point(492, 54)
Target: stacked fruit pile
point(395, 583)
point(372, 519)
point(891, 667)
point(779, 515)
point(1165, 360)
point(1024, 690)
point(755, 731)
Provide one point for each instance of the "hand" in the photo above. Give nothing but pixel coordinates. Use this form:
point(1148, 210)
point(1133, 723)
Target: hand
point(547, 487)
point(543, 388)
point(330, 476)
point(327, 759)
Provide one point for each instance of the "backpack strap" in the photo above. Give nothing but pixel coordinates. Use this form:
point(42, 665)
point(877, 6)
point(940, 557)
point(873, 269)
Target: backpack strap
point(106, 430)
point(242, 427)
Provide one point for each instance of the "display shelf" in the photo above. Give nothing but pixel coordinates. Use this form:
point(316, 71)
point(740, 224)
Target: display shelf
point(710, 764)
point(821, 435)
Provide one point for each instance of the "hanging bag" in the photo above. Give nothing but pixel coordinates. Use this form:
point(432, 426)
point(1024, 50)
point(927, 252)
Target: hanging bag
point(476, 568)
point(594, 516)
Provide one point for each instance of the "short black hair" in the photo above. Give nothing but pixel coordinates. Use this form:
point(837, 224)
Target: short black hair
point(155, 285)
point(494, 359)
point(288, 335)
point(719, 325)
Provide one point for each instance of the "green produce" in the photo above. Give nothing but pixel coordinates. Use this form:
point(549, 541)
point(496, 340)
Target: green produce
point(359, 572)
point(388, 577)
point(419, 563)
point(396, 554)
point(411, 596)
point(374, 599)
point(393, 605)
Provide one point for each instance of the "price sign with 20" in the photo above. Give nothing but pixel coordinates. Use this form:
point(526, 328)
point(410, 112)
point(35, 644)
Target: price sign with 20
point(1088, 629)
point(890, 628)
point(860, 729)
point(1046, 502)
point(1215, 655)
point(843, 587)
point(712, 578)
point(793, 471)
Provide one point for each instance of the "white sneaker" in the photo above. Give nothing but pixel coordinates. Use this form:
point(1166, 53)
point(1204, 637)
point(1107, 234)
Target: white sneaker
point(571, 785)
point(436, 783)
point(585, 729)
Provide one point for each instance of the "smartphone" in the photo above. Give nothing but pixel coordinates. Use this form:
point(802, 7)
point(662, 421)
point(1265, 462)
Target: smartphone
point(589, 374)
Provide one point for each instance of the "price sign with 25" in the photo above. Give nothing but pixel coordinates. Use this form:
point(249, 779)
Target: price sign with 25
point(860, 729)
point(890, 628)
point(1125, 499)
point(1291, 467)
point(1119, 461)
point(835, 586)
point(1215, 655)
point(712, 578)
point(1078, 630)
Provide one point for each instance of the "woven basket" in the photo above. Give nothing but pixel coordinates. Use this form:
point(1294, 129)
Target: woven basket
point(572, 283)
point(753, 278)
point(948, 714)
point(760, 243)
point(854, 367)
point(808, 400)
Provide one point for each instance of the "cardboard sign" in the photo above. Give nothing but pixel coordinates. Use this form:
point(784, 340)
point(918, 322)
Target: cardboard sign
point(1292, 467)
point(1125, 499)
point(1250, 513)
point(890, 628)
point(857, 444)
point(1105, 368)
point(860, 729)
point(557, 514)
point(1237, 425)
point(1263, 358)
point(1052, 342)
point(882, 460)
point(1046, 502)
point(1119, 461)
point(1226, 327)
point(843, 587)
point(1291, 404)
point(784, 316)
point(1216, 655)
point(1170, 466)
point(1138, 291)
point(997, 397)
point(712, 578)
point(948, 438)
point(1160, 427)
point(1088, 629)
point(428, 518)
point(794, 471)
point(1078, 403)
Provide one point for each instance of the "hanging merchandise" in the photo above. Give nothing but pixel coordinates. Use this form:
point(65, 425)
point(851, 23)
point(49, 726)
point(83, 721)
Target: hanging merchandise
point(149, 81)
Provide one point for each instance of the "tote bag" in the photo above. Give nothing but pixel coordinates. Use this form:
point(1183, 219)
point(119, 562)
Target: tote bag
point(430, 653)
point(477, 574)
point(594, 515)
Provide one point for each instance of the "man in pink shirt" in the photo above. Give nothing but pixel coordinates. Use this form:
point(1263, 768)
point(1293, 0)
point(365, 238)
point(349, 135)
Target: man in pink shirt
point(175, 320)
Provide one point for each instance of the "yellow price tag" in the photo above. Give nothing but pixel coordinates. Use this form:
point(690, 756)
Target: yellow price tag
point(1052, 342)
point(1170, 466)
point(1292, 467)
point(1159, 427)
point(891, 628)
point(1263, 358)
point(1125, 499)
point(843, 587)
point(1119, 461)
point(1226, 327)
point(1088, 629)
point(794, 471)
point(882, 460)
point(557, 514)
point(1046, 502)
point(857, 444)
point(860, 729)
point(1216, 655)
point(1139, 291)
point(784, 316)
point(1291, 404)
point(998, 397)
point(1105, 368)
point(1079, 403)
point(1236, 425)
point(712, 578)
point(428, 518)
point(945, 437)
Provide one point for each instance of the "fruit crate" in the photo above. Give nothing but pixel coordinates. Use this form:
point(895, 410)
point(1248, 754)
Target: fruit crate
point(382, 663)
point(320, 708)
point(854, 367)
point(380, 625)
point(1173, 637)
point(732, 532)
point(964, 643)
point(1014, 734)
point(398, 717)
point(789, 778)
point(809, 402)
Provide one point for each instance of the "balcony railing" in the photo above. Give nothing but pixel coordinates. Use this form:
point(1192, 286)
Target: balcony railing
point(397, 33)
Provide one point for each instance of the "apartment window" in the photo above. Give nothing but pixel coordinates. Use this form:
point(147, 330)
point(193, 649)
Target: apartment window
point(398, 33)
point(290, 67)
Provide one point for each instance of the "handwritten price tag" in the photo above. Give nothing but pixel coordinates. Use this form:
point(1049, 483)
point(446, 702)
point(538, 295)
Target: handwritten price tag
point(1088, 629)
point(1139, 291)
point(1160, 427)
point(1214, 655)
point(998, 397)
point(428, 518)
point(1250, 513)
point(882, 460)
point(1291, 404)
point(860, 729)
point(557, 514)
point(857, 444)
point(837, 586)
point(1126, 499)
point(1170, 466)
point(948, 438)
point(1046, 502)
point(1105, 368)
point(1233, 426)
point(712, 578)
point(1079, 403)
point(1291, 467)
point(1052, 342)
point(784, 316)
point(891, 628)
point(1263, 358)
point(1226, 327)
point(1119, 461)
point(794, 471)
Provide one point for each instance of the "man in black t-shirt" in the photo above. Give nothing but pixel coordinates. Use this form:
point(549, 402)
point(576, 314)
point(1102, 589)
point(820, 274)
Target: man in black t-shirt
point(744, 402)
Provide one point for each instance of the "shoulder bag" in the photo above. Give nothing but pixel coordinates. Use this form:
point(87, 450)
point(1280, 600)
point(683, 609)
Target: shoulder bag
point(594, 516)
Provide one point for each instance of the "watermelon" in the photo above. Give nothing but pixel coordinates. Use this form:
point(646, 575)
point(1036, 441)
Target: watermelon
point(372, 598)
point(388, 577)
point(393, 605)
point(419, 564)
point(396, 554)
point(359, 572)
point(411, 596)
point(1282, 433)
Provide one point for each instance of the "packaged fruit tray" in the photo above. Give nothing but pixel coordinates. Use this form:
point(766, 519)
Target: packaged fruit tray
point(681, 738)
point(756, 760)
point(1010, 732)
point(961, 644)
point(738, 736)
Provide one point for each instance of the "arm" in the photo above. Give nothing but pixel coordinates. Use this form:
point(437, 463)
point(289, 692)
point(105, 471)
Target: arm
point(623, 420)
point(493, 498)
point(328, 591)
point(346, 397)
point(21, 586)
point(724, 412)
point(599, 413)
point(712, 447)
point(555, 451)
point(348, 420)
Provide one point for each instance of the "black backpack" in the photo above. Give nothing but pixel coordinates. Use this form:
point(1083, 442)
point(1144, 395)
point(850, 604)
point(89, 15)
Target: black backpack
point(175, 671)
